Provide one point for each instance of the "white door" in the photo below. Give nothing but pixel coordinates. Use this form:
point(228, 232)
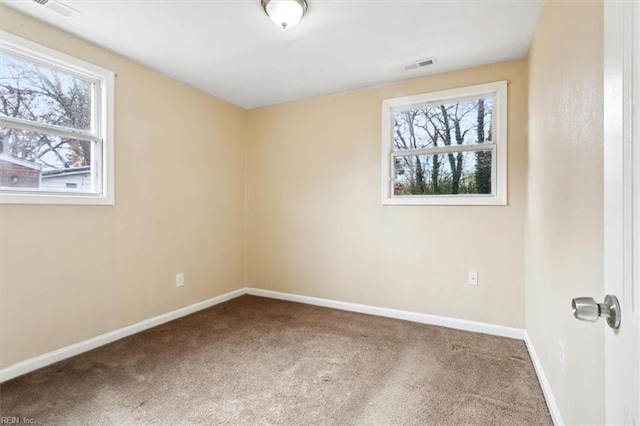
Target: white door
point(622, 208)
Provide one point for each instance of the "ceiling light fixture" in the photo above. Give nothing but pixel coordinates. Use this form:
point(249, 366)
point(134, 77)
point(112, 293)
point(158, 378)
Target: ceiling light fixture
point(285, 13)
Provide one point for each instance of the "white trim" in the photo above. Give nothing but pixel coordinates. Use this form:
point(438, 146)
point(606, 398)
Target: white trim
point(49, 57)
point(49, 358)
point(554, 410)
point(44, 360)
point(444, 200)
point(34, 126)
point(499, 147)
point(103, 137)
point(469, 92)
point(487, 146)
point(621, 208)
point(458, 324)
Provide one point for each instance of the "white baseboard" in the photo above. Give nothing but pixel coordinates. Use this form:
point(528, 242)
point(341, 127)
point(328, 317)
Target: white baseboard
point(458, 324)
point(544, 383)
point(44, 360)
point(49, 358)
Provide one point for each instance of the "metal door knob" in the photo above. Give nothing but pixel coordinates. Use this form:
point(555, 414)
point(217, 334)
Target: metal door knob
point(587, 309)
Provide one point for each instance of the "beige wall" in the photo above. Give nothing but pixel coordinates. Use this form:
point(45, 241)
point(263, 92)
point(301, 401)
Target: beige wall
point(69, 273)
point(314, 221)
point(564, 221)
point(316, 225)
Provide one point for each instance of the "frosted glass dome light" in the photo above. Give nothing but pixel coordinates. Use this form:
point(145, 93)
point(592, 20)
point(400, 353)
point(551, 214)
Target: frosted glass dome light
point(285, 13)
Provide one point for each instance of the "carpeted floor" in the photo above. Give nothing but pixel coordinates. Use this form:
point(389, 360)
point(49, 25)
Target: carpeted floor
point(260, 361)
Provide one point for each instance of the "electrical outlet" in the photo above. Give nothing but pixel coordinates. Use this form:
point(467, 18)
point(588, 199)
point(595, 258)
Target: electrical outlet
point(561, 357)
point(473, 278)
point(179, 279)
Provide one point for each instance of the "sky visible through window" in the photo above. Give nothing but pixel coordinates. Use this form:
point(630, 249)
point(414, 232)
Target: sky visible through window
point(464, 124)
point(43, 95)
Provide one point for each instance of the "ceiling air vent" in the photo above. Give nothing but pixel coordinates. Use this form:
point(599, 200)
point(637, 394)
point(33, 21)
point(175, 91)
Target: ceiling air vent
point(58, 7)
point(419, 64)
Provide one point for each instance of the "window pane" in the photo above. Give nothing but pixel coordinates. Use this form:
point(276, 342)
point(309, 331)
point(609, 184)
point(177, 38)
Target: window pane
point(442, 174)
point(39, 160)
point(457, 123)
point(41, 94)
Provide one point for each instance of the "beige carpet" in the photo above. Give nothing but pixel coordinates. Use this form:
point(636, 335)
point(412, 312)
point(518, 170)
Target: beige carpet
point(261, 361)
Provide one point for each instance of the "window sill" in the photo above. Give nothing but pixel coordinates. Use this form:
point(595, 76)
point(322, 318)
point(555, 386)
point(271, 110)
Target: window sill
point(57, 199)
point(446, 200)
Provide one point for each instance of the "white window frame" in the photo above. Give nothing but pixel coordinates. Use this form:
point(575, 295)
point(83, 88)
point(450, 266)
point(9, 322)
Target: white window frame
point(102, 136)
point(498, 196)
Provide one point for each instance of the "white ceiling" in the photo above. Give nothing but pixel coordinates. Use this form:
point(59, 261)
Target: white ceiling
point(230, 49)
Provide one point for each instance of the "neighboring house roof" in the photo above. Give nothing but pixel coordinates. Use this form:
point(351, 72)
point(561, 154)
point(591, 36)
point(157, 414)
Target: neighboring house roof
point(20, 161)
point(66, 172)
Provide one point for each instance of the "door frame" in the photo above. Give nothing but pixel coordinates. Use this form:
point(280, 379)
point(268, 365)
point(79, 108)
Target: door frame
point(621, 198)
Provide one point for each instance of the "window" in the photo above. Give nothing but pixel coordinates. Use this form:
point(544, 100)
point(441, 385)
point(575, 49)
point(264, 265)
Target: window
point(56, 127)
point(446, 148)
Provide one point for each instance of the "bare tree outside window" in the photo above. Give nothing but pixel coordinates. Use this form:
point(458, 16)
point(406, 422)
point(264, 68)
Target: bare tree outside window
point(40, 94)
point(458, 124)
point(56, 126)
point(447, 147)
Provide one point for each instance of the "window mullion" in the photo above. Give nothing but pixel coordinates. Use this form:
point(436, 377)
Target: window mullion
point(444, 149)
point(45, 128)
